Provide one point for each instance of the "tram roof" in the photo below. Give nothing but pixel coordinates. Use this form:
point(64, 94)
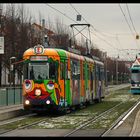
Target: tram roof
point(54, 52)
point(58, 53)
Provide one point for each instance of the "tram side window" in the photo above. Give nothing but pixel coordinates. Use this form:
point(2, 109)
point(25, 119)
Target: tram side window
point(91, 75)
point(102, 74)
point(98, 74)
point(75, 69)
point(66, 69)
point(93, 71)
point(88, 72)
point(52, 70)
point(25, 71)
point(135, 71)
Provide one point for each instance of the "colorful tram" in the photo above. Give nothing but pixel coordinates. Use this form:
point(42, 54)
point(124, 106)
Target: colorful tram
point(55, 79)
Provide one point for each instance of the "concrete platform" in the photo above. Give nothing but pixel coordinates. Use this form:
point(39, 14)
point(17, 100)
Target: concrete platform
point(11, 111)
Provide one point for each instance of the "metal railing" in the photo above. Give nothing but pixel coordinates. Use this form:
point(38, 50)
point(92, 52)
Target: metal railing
point(10, 96)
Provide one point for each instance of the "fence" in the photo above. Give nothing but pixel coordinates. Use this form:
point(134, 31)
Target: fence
point(10, 96)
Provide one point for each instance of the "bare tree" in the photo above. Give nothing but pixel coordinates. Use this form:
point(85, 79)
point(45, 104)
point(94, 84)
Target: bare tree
point(62, 34)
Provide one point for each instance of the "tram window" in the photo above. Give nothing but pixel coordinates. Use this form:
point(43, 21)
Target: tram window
point(66, 69)
point(136, 65)
point(32, 73)
point(98, 73)
point(88, 72)
point(25, 71)
point(38, 71)
point(52, 70)
point(91, 75)
point(93, 72)
point(75, 69)
point(135, 71)
point(102, 74)
point(39, 77)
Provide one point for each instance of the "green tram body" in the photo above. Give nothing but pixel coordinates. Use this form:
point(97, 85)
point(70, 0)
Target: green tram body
point(135, 79)
point(71, 79)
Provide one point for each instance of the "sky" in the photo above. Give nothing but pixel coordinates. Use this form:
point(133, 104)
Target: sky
point(113, 25)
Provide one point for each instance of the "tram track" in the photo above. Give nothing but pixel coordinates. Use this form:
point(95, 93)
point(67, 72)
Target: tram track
point(10, 121)
point(121, 119)
point(82, 125)
point(92, 119)
point(116, 124)
point(6, 122)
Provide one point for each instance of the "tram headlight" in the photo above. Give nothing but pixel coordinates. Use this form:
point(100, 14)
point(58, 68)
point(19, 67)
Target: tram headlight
point(37, 92)
point(27, 102)
point(48, 102)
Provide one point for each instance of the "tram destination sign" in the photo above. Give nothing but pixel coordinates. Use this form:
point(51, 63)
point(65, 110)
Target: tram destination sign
point(1, 45)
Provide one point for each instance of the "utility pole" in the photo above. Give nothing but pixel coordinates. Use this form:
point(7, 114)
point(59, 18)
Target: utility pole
point(117, 70)
point(105, 61)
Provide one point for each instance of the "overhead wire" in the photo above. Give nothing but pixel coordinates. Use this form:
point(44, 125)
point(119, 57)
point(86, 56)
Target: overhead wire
point(74, 20)
point(66, 15)
point(132, 23)
point(91, 26)
point(127, 23)
point(61, 12)
point(94, 29)
point(77, 22)
point(131, 19)
point(122, 50)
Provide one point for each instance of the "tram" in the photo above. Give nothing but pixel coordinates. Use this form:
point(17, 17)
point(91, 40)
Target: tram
point(135, 77)
point(57, 79)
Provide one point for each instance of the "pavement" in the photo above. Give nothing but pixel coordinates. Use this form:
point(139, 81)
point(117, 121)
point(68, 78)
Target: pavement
point(11, 111)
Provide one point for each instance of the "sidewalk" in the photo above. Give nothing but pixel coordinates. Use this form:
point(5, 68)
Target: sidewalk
point(7, 112)
point(116, 87)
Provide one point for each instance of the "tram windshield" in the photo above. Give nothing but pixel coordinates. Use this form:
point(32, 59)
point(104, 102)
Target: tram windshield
point(135, 76)
point(40, 71)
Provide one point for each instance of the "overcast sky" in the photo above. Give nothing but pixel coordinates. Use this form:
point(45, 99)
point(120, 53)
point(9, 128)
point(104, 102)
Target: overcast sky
point(110, 31)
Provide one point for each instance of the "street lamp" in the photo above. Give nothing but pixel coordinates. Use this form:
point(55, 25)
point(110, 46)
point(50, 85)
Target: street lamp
point(11, 69)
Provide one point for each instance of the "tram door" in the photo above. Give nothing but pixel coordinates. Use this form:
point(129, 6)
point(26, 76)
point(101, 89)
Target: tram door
point(65, 82)
point(91, 83)
point(75, 79)
point(98, 81)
